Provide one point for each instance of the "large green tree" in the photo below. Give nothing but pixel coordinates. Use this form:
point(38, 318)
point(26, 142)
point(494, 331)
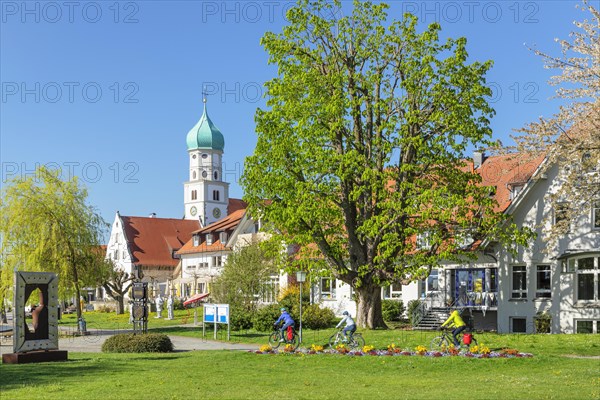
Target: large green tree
point(47, 225)
point(361, 147)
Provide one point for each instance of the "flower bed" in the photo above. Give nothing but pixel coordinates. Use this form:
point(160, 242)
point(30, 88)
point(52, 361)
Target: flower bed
point(480, 351)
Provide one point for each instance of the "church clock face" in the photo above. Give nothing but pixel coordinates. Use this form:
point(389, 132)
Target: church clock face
point(193, 210)
point(216, 213)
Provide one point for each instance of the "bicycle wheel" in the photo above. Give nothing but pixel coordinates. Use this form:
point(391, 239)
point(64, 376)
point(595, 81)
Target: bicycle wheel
point(357, 341)
point(274, 339)
point(473, 341)
point(334, 340)
point(295, 341)
point(439, 343)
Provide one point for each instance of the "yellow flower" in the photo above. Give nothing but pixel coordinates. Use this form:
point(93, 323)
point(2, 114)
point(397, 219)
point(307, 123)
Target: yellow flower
point(288, 348)
point(367, 348)
point(421, 349)
point(316, 347)
point(341, 348)
point(483, 349)
point(265, 348)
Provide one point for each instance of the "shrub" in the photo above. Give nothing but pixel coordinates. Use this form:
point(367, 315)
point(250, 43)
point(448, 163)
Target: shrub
point(240, 318)
point(265, 317)
point(412, 306)
point(290, 296)
point(316, 317)
point(392, 309)
point(130, 343)
point(178, 304)
point(542, 322)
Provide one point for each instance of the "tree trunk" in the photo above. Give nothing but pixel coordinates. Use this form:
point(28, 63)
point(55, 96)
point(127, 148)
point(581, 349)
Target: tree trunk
point(120, 305)
point(369, 313)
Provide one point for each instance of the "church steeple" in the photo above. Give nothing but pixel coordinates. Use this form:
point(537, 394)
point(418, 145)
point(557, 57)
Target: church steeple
point(205, 135)
point(206, 196)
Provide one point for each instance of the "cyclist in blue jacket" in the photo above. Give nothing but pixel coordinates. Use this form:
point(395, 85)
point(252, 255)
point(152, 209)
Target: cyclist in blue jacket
point(287, 320)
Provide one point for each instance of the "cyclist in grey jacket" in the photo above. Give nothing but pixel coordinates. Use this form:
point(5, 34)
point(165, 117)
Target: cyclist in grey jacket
point(350, 325)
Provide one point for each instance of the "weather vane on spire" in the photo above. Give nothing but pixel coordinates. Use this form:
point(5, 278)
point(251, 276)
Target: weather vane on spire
point(204, 94)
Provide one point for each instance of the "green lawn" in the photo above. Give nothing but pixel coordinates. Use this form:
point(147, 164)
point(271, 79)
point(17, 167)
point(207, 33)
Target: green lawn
point(241, 375)
point(563, 367)
point(106, 321)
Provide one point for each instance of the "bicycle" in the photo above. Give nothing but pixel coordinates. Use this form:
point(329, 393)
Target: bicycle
point(275, 338)
point(443, 342)
point(355, 340)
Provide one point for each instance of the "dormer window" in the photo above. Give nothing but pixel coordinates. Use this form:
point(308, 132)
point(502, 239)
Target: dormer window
point(209, 239)
point(464, 239)
point(196, 239)
point(515, 190)
point(223, 237)
point(423, 241)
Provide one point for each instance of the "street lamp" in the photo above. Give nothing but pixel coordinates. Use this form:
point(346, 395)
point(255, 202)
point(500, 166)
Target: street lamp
point(300, 277)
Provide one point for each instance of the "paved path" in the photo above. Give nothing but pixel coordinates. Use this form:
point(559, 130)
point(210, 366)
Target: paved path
point(92, 343)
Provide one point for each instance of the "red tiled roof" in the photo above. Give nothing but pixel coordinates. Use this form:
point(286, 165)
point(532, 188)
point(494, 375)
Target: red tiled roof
point(235, 205)
point(506, 171)
point(153, 240)
point(227, 224)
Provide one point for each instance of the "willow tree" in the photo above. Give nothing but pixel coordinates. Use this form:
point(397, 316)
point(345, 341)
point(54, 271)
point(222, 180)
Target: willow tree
point(571, 137)
point(46, 225)
point(360, 149)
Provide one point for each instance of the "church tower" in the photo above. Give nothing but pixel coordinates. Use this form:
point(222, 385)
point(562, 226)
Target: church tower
point(205, 194)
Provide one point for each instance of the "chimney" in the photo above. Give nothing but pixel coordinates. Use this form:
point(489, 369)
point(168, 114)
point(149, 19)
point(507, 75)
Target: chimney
point(152, 215)
point(478, 158)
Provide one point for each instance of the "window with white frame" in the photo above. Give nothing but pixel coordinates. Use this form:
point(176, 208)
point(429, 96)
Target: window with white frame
point(327, 288)
point(423, 241)
point(209, 239)
point(561, 213)
point(587, 273)
point(393, 291)
point(196, 240)
point(543, 282)
point(587, 326)
point(190, 266)
point(515, 190)
point(518, 325)
point(217, 261)
point(596, 215)
point(203, 265)
point(432, 281)
point(519, 282)
point(270, 290)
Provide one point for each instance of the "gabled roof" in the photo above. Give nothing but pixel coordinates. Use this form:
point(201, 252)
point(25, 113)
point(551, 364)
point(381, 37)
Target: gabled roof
point(227, 224)
point(507, 171)
point(152, 241)
point(235, 205)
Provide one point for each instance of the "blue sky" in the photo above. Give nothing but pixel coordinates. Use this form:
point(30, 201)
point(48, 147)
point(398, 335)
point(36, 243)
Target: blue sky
point(109, 90)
